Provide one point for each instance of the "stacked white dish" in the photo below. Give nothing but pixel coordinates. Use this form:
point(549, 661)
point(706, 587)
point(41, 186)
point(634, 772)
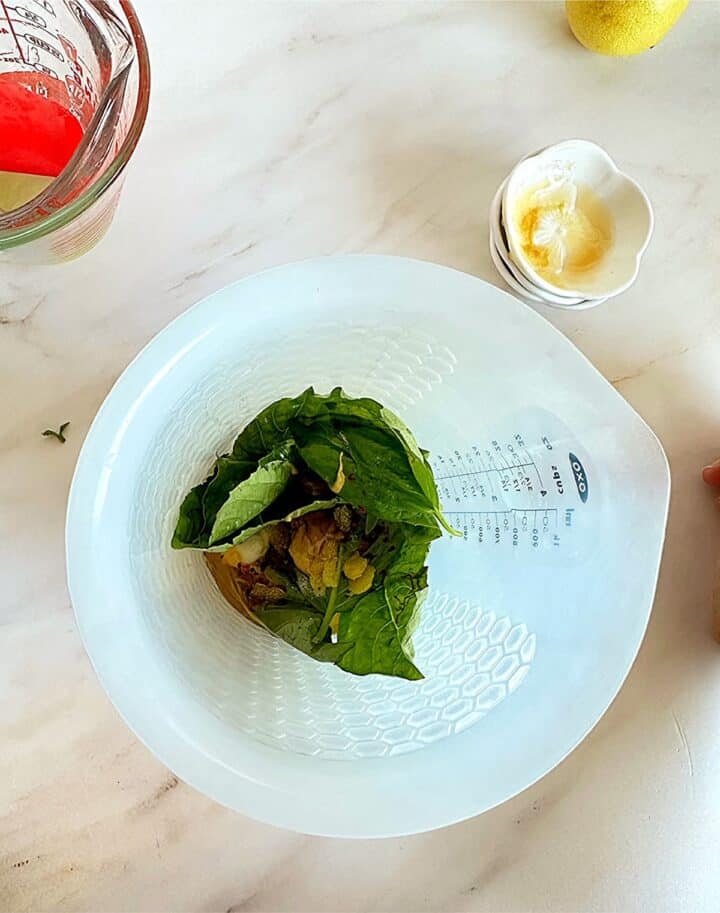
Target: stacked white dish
point(576, 163)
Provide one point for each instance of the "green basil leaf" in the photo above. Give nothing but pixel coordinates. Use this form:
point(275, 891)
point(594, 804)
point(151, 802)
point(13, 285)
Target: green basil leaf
point(200, 508)
point(381, 624)
point(378, 476)
point(293, 515)
point(270, 428)
point(366, 454)
point(344, 410)
point(190, 520)
point(298, 625)
point(421, 468)
point(325, 416)
point(228, 474)
point(285, 450)
point(378, 639)
point(250, 498)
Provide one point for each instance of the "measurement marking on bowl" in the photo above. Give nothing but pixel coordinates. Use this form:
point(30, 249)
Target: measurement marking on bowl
point(513, 490)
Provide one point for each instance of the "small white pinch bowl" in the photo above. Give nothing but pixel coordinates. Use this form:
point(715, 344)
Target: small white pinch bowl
point(632, 215)
point(513, 276)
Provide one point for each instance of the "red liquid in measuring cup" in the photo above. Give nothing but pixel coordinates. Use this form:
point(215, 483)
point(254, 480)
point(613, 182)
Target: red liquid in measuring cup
point(37, 135)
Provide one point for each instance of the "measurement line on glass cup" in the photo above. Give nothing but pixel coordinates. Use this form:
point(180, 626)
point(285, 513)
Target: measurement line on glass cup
point(12, 31)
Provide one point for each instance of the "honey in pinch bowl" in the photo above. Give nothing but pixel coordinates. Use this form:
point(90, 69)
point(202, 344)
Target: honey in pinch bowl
point(565, 230)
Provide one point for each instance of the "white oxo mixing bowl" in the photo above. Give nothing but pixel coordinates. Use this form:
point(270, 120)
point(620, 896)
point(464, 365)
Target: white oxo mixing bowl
point(532, 621)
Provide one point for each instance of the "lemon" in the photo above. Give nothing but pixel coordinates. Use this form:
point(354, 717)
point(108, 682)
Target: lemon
point(620, 27)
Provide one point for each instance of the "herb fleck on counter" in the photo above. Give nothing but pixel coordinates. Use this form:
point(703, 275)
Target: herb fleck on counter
point(59, 434)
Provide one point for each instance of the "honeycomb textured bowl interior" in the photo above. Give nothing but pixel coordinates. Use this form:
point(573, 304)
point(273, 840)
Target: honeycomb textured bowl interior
point(253, 682)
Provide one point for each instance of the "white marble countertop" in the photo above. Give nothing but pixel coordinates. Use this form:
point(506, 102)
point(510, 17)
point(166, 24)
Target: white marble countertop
point(283, 130)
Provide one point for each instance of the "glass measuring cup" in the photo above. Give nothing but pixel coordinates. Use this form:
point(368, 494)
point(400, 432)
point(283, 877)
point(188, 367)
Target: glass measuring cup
point(87, 59)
